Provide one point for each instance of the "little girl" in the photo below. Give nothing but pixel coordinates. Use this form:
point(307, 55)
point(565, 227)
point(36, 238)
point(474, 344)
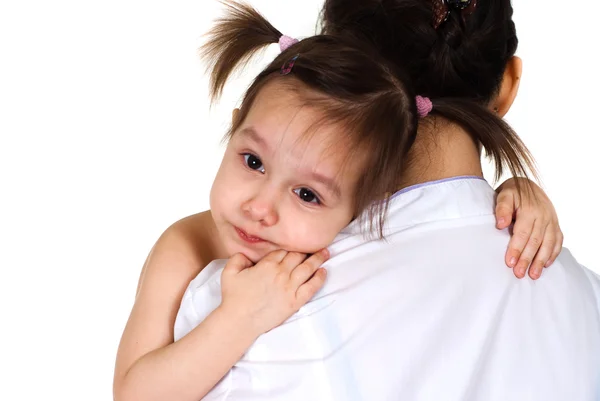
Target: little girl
point(319, 141)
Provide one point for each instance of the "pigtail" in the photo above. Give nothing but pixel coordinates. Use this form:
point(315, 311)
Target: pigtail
point(500, 142)
point(233, 41)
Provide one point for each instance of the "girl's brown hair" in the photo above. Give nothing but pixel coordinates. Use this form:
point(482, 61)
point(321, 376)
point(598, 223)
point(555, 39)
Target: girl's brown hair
point(348, 83)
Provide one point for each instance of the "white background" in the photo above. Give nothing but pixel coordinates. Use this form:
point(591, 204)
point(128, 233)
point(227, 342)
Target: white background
point(106, 139)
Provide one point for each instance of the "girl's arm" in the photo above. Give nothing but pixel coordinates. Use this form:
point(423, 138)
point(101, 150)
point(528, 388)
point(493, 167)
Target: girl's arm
point(536, 237)
point(176, 258)
point(150, 366)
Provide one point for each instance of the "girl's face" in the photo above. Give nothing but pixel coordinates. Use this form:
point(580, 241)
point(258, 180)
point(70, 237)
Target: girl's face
point(278, 187)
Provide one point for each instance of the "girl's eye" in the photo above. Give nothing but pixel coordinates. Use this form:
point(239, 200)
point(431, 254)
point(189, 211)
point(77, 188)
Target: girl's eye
point(253, 162)
point(307, 195)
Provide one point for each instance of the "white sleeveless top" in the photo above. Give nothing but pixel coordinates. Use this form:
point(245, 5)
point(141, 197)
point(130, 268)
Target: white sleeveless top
point(431, 313)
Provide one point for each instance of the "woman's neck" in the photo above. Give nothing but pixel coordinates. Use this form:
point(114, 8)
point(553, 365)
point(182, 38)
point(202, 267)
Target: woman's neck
point(441, 150)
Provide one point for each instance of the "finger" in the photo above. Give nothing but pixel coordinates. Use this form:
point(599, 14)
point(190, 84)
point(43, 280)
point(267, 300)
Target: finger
point(301, 273)
point(291, 260)
point(521, 233)
point(557, 248)
point(532, 247)
point(505, 209)
point(544, 254)
point(310, 288)
point(275, 256)
point(236, 264)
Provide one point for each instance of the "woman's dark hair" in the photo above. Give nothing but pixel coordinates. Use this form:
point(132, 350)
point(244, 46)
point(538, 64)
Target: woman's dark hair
point(348, 84)
point(459, 64)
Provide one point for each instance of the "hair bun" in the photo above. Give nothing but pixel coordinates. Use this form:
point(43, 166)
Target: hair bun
point(458, 4)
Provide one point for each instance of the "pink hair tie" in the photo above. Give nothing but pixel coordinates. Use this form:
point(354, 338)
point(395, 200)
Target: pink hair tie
point(424, 106)
point(285, 42)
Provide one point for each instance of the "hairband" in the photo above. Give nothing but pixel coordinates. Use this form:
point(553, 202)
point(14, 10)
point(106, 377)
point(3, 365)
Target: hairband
point(286, 68)
point(442, 9)
point(424, 106)
point(284, 43)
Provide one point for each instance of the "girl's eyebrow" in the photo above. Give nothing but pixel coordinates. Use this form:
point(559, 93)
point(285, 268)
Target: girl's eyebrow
point(331, 184)
point(254, 136)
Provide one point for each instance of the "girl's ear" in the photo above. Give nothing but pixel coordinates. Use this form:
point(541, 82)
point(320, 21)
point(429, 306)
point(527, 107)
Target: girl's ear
point(234, 115)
